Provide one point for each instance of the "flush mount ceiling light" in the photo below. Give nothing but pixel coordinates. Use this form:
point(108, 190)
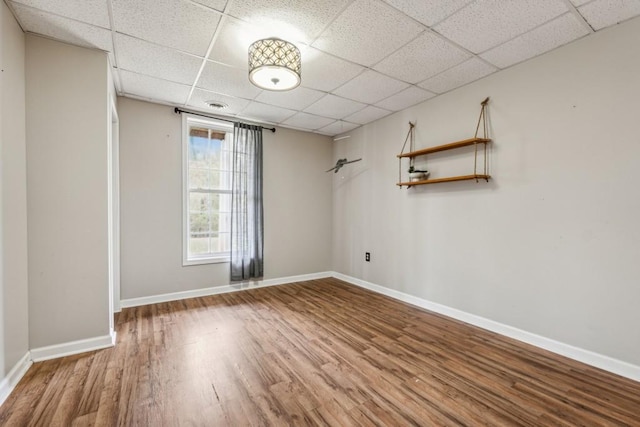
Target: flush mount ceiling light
point(274, 64)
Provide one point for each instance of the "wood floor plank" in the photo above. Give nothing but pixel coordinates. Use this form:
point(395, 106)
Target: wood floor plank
point(320, 352)
point(20, 404)
point(69, 406)
point(52, 396)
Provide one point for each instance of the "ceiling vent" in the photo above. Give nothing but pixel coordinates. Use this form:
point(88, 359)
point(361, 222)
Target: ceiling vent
point(216, 105)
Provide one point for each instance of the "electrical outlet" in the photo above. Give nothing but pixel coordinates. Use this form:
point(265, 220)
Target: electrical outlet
point(367, 256)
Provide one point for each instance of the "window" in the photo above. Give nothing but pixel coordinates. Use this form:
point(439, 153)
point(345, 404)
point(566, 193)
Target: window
point(206, 156)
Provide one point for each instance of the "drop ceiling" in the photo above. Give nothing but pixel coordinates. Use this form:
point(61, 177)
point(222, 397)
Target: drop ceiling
point(361, 59)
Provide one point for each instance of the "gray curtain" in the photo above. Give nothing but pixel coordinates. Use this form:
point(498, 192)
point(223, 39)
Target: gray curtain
point(247, 229)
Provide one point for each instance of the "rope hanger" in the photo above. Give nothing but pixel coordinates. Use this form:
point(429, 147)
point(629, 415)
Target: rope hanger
point(410, 137)
point(483, 118)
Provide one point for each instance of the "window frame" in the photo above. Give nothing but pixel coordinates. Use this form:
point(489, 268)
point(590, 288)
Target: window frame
point(189, 120)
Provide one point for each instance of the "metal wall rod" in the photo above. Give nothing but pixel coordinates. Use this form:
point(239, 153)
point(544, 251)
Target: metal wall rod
point(179, 110)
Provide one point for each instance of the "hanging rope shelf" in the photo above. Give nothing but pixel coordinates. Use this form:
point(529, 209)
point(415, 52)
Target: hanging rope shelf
point(475, 141)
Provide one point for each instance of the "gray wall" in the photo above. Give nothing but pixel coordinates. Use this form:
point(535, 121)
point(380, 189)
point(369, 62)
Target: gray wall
point(297, 204)
point(551, 244)
point(14, 333)
point(68, 119)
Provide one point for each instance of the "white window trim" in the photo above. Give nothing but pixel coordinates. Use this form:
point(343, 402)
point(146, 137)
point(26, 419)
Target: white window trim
point(188, 119)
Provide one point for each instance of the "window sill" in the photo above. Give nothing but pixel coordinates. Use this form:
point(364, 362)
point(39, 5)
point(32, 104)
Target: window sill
point(202, 261)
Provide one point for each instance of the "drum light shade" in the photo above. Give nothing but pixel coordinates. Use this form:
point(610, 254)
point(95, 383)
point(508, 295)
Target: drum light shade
point(274, 64)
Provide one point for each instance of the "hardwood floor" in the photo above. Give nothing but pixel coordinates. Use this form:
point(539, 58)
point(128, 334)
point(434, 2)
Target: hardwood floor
point(313, 353)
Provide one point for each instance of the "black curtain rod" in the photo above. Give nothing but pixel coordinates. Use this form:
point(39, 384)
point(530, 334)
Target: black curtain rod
point(179, 110)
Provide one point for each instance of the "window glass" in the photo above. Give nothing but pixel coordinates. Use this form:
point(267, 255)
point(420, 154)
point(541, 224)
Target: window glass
point(207, 188)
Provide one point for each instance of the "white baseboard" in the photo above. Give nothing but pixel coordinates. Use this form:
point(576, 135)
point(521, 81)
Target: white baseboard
point(73, 347)
point(203, 292)
point(597, 360)
point(14, 376)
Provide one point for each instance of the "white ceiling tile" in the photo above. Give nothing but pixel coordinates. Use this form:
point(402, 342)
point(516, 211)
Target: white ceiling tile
point(429, 12)
point(544, 38)
point(367, 115)
point(153, 89)
point(579, 2)
point(175, 23)
point(405, 99)
point(367, 31)
point(63, 29)
point(326, 72)
point(335, 107)
point(370, 87)
point(296, 99)
point(467, 72)
point(487, 23)
point(213, 4)
point(267, 113)
point(422, 58)
point(227, 80)
point(338, 127)
point(201, 98)
point(92, 12)
point(232, 45)
point(157, 61)
point(307, 121)
point(291, 20)
point(602, 13)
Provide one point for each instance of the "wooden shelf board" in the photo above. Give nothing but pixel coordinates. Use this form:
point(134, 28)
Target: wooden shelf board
point(447, 179)
point(457, 144)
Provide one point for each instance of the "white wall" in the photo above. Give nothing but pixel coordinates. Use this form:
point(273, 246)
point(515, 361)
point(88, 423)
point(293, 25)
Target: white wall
point(551, 244)
point(67, 140)
point(297, 208)
point(14, 334)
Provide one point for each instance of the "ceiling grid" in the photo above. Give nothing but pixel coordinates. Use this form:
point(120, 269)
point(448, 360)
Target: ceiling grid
point(361, 59)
